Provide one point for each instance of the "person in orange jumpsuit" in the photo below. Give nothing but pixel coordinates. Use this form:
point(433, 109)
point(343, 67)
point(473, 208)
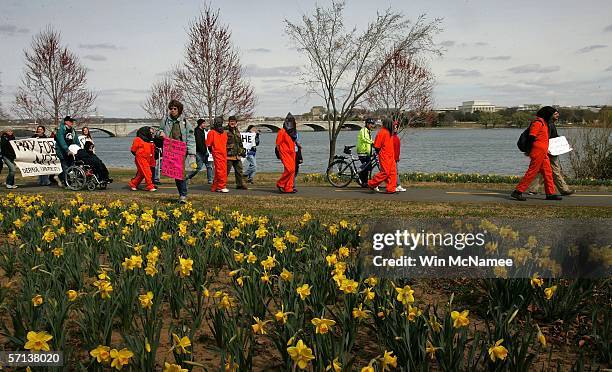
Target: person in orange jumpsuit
point(143, 149)
point(285, 146)
point(216, 140)
point(540, 163)
point(383, 143)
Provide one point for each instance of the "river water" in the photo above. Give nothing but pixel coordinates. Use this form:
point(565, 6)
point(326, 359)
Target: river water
point(452, 150)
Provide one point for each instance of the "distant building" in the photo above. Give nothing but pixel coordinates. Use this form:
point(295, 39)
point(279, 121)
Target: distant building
point(529, 107)
point(473, 106)
point(318, 111)
point(445, 109)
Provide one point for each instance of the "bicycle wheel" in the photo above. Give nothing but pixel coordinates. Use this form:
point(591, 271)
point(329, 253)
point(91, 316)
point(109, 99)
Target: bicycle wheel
point(75, 178)
point(340, 173)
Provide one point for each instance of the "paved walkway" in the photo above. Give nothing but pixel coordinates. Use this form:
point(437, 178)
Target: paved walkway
point(594, 198)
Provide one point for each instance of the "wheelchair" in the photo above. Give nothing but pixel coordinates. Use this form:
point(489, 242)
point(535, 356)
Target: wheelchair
point(80, 176)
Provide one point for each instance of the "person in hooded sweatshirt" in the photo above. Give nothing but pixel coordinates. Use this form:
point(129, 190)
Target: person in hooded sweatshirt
point(143, 149)
point(216, 140)
point(383, 144)
point(88, 157)
point(285, 145)
point(540, 163)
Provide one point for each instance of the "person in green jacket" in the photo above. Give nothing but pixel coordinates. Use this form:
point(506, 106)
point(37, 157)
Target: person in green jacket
point(235, 151)
point(364, 150)
point(65, 137)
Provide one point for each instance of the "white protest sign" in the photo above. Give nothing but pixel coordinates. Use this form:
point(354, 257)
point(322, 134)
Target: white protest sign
point(36, 157)
point(558, 146)
point(248, 140)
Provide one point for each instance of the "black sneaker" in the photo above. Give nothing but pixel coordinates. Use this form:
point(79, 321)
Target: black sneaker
point(553, 197)
point(518, 195)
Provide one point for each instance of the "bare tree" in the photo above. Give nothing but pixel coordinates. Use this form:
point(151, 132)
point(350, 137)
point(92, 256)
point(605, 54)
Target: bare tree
point(54, 81)
point(212, 77)
point(162, 92)
point(344, 64)
point(404, 91)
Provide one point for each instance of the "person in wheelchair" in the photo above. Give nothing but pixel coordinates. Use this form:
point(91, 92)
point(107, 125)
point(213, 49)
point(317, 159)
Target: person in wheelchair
point(87, 156)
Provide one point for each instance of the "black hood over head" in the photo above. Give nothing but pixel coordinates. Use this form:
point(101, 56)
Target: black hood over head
point(218, 124)
point(546, 113)
point(290, 126)
point(144, 133)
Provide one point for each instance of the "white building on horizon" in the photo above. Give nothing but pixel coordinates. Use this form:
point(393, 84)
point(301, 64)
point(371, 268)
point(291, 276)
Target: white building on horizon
point(473, 106)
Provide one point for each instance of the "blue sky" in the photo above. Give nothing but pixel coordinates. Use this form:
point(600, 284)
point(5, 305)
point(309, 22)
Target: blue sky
point(548, 52)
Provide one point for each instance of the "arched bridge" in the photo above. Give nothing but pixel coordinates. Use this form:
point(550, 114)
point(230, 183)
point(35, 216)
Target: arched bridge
point(124, 129)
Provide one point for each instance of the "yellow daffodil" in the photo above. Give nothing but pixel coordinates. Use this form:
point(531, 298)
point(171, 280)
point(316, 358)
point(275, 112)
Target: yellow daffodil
point(368, 368)
point(541, 337)
point(101, 353)
point(300, 354)
point(72, 295)
point(536, 281)
point(238, 257)
point(348, 286)
point(234, 233)
point(303, 291)
point(387, 360)
point(269, 262)
point(343, 252)
point(38, 341)
point(286, 275)
point(185, 267)
point(173, 368)
point(359, 313)
point(259, 326)
point(369, 294)
point(331, 259)
point(431, 350)
point(497, 351)
point(146, 300)
point(334, 366)
point(371, 281)
point(291, 238)
point(120, 358)
point(405, 295)
point(37, 300)
point(550, 291)
point(281, 315)
point(322, 325)
point(251, 258)
point(49, 236)
point(181, 344)
point(460, 319)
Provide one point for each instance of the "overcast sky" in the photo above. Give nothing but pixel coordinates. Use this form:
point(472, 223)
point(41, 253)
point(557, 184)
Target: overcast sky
point(507, 52)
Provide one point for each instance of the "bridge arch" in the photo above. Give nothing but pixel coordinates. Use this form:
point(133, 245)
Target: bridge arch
point(272, 127)
point(351, 126)
point(110, 133)
point(316, 127)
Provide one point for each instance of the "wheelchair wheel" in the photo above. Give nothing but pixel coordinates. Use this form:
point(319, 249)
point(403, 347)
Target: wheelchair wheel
point(340, 173)
point(92, 184)
point(75, 178)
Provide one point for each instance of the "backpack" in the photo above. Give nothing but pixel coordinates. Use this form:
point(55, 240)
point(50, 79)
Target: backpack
point(523, 143)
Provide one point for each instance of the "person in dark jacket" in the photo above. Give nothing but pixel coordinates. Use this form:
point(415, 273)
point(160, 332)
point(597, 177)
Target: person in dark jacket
point(65, 136)
point(8, 156)
point(235, 151)
point(41, 133)
point(251, 161)
point(540, 163)
point(202, 152)
point(88, 157)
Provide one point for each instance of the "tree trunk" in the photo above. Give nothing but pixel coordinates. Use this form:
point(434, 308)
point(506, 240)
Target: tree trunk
point(332, 148)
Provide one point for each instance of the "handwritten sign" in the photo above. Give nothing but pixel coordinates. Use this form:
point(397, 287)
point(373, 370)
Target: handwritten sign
point(248, 140)
point(173, 161)
point(36, 156)
point(558, 146)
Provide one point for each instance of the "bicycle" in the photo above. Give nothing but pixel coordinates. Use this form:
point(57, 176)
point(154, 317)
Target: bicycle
point(343, 169)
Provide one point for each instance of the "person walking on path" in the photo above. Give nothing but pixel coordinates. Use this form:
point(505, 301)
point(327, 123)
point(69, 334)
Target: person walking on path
point(396, 147)
point(8, 156)
point(555, 165)
point(285, 147)
point(235, 151)
point(364, 150)
point(383, 144)
point(143, 149)
point(174, 126)
point(40, 133)
point(201, 152)
point(65, 137)
point(540, 163)
point(216, 140)
point(251, 161)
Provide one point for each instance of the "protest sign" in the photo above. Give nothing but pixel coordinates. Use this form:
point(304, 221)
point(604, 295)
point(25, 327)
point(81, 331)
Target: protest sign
point(36, 157)
point(173, 161)
point(558, 146)
point(248, 140)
